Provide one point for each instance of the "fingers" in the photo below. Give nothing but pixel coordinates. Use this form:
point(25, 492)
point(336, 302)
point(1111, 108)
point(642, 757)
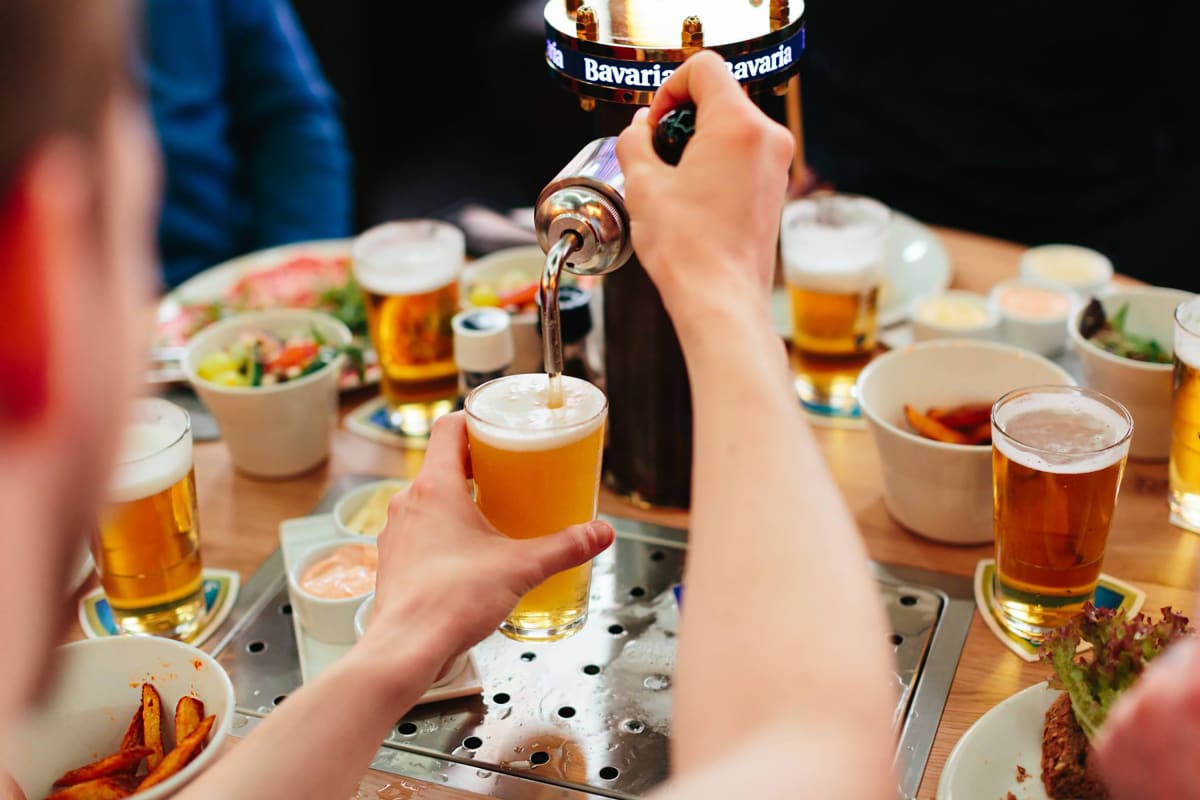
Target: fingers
point(446, 454)
point(704, 80)
point(635, 147)
point(568, 548)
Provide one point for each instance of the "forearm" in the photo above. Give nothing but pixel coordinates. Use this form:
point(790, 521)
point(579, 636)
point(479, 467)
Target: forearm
point(781, 618)
point(320, 741)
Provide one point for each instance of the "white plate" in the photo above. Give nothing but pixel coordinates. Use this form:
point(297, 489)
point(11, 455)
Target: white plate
point(295, 537)
point(916, 265)
point(984, 762)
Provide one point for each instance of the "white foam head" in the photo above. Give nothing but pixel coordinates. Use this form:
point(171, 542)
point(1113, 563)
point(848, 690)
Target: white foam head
point(834, 244)
point(154, 456)
point(409, 257)
point(1187, 333)
point(512, 412)
point(1069, 433)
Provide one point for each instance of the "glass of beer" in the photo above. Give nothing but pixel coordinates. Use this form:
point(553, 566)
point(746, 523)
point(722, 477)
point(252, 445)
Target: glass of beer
point(537, 471)
point(1058, 454)
point(147, 543)
point(408, 273)
point(833, 261)
point(1185, 419)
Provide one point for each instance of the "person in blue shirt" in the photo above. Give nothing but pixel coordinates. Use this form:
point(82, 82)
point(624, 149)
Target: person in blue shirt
point(254, 151)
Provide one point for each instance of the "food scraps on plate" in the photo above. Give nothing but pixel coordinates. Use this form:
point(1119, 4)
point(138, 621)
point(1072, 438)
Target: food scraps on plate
point(970, 423)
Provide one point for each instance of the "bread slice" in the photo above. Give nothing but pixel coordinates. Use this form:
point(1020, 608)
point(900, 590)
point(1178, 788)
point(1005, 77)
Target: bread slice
point(1068, 760)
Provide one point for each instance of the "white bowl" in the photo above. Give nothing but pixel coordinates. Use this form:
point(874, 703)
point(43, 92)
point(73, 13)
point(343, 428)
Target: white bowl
point(1143, 388)
point(353, 501)
point(328, 619)
point(272, 431)
point(1045, 335)
point(95, 695)
point(1067, 266)
point(942, 491)
point(453, 668)
point(925, 327)
point(529, 261)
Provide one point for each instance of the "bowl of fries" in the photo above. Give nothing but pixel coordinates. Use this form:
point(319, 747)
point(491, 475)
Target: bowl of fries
point(129, 716)
point(928, 407)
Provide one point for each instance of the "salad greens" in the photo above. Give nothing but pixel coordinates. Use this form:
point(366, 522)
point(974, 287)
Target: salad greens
point(1109, 333)
point(1121, 648)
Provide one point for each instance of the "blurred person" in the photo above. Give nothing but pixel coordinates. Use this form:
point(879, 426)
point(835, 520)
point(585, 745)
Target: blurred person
point(254, 151)
point(1074, 121)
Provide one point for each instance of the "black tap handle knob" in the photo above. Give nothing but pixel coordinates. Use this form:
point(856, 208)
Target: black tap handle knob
point(673, 131)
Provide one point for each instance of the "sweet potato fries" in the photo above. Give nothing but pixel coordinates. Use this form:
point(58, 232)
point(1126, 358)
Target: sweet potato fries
point(969, 424)
point(117, 776)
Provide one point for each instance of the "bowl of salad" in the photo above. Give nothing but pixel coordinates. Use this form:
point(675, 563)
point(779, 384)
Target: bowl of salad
point(271, 380)
point(1125, 342)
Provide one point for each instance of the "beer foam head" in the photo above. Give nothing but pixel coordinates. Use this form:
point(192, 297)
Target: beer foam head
point(409, 257)
point(512, 413)
point(834, 244)
point(153, 457)
point(1187, 333)
point(1061, 432)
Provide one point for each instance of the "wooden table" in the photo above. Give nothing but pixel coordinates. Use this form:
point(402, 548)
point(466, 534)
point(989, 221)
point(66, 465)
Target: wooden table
point(240, 518)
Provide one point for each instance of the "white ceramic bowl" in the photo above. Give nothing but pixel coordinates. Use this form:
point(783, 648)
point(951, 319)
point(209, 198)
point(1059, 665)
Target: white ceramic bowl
point(1045, 336)
point(95, 695)
point(362, 618)
point(328, 619)
point(942, 491)
point(1067, 266)
point(529, 262)
point(272, 431)
point(1144, 389)
point(353, 501)
point(926, 326)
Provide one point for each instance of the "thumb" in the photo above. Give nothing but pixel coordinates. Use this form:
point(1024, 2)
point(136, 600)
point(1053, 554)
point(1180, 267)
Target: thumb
point(568, 548)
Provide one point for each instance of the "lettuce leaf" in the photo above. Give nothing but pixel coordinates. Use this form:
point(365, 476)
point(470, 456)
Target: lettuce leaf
point(1121, 648)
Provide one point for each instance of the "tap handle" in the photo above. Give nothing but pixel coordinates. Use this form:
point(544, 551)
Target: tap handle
point(673, 131)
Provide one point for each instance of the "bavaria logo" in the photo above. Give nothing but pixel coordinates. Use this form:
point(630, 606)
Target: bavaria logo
point(553, 54)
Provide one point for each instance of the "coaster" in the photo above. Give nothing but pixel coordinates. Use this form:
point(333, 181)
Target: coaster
point(220, 593)
point(1110, 593)
point(371, 420)
point(838, 423)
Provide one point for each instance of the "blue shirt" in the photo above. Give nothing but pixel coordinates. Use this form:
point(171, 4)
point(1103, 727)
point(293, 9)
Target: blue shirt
point(254, 152)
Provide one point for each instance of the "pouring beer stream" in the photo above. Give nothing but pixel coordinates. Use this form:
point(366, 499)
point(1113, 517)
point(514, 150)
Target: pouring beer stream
point(583, 226)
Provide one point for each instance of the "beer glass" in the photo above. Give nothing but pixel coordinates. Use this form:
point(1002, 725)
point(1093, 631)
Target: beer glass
point(537, 471)
point(147, 543)
point(1058, 454)
point(833, 250)
point(408, 273)
point(1185, 419)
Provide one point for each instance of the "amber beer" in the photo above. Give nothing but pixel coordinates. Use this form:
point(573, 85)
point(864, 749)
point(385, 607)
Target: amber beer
point(408, 273)
point(1058, 455)
point(537, 471)
point(1184, 469)
point(147, 543)
point(833, 251)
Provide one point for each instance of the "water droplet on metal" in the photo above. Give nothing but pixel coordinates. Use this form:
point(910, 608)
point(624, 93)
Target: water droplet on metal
point(656, 682)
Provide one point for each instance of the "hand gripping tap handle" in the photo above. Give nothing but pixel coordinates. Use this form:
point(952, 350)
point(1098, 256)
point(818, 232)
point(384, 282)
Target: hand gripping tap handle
point(585, 203)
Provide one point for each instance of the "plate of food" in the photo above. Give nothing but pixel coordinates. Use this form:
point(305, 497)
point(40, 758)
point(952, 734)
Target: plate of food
point(1035, 745)
point(916, 265)
point(308, 275)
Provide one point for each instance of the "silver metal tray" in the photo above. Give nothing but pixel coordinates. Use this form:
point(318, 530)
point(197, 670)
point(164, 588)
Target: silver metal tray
point(589, 716)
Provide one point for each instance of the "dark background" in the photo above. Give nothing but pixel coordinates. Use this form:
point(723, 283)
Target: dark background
point(449, 104)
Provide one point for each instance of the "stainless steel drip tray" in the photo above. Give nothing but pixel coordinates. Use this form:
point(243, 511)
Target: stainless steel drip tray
point(590, 716)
